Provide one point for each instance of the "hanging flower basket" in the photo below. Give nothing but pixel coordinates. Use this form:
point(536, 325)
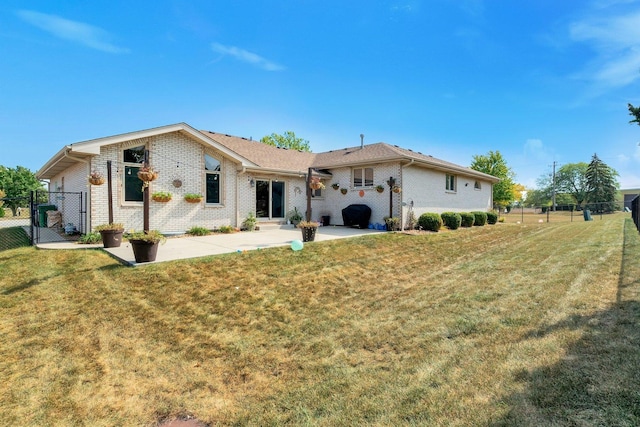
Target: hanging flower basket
point(335, 186)
point(161, 196)
point(147, 174)
point(316, 184)
point(379, 188)
point(96, 178)
point(193, 198)
point(343, 190)
point(396, 189)
point(96, 181)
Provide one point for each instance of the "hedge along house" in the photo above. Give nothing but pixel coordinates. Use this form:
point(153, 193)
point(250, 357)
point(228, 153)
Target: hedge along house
point(238, 176)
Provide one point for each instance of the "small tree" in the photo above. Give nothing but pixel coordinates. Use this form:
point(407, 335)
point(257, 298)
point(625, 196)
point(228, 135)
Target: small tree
point(289, 140)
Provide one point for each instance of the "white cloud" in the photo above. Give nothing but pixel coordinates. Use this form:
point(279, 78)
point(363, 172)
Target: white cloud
point(66, 29)
point(536, 149)
point(246, 56)
point(616, 41)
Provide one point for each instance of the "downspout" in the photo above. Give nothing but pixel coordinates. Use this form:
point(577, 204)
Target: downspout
point(87, 224)
point(401, 204)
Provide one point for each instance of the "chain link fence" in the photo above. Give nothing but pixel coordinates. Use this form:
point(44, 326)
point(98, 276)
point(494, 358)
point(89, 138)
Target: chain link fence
point(561, 213)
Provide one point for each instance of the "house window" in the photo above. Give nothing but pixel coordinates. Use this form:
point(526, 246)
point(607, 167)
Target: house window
point(477, 185)
point(132, 159)
point(212, 184)
point(451, 183)
point(363, 177)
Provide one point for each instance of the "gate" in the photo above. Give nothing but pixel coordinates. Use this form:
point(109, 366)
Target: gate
point(635, 211)
point(57, 216)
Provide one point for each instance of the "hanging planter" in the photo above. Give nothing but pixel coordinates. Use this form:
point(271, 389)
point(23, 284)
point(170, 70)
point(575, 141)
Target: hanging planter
point(96, 178)
point(316, 184)
point(396, 189)
point(335, 186)
point(161, 196)
point(379, 188)
point(343, 190)
point(193, 198)
point(147, 174)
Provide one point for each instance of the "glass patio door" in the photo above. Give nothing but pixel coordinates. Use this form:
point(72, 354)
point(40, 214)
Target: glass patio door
point(270, 199)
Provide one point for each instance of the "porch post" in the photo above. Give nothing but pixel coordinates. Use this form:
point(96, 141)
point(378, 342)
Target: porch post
point(145, 198)
point(308, 216)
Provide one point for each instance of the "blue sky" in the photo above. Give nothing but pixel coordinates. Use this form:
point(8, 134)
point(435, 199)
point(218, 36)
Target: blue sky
point(540, 81)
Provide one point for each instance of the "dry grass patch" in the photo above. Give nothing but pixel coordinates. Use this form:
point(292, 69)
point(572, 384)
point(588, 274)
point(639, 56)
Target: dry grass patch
point(477, 327)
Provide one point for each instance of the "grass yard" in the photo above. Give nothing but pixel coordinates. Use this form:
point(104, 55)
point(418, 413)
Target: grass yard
point(13, 237)
point(523, 325)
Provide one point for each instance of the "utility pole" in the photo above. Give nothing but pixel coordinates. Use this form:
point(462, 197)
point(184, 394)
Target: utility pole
point(553, 184)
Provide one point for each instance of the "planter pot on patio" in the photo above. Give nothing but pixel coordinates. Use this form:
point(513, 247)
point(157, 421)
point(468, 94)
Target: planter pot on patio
point(111, 238)
point(308, 233)
point(144, 251)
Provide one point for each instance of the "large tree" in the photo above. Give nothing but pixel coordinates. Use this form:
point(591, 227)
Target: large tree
point(572, 179)
point(17, 183)
point(494, 164)
point(289, 140)
point(601, 185)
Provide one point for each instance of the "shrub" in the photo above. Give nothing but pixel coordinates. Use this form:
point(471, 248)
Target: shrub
point(467, 219)
point(198, 231)
point(226, 229)
point(451, 220)
point(480, 218)
point(90, 238)
point(492, 218)
point(430, 221)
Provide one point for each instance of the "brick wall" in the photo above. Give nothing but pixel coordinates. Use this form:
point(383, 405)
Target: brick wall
point(427, 189)
point(175, 157)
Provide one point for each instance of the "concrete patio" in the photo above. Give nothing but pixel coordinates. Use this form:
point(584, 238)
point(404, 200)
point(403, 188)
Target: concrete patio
point(184, 247)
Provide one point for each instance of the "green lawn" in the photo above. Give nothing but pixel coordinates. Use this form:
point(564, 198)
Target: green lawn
point(529, 324)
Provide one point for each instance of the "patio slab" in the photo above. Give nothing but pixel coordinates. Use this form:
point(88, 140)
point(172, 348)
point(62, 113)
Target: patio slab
point(176, 248)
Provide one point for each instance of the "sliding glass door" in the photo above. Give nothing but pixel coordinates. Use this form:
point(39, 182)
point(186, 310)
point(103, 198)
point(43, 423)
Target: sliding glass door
point(270, 203)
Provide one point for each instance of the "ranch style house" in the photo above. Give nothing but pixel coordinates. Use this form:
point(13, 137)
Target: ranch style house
point(238, 177)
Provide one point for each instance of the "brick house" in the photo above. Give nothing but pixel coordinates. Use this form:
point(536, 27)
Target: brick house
point(238, 176)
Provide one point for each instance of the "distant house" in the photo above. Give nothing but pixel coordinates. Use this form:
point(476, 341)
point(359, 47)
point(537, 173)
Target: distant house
point(238, 176)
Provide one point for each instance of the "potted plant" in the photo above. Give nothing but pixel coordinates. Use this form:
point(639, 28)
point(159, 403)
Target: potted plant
point(379, 188)
point(316, 184)
point(250, 222)
point(193, 197)
point(295, 217)
point(161, 196)
point(392, 223)
point(396, 189)
point(309, 229)
point(145, 245)
point(111, 234)
point(343, 190)
point(335, 185)
point(96, 178)
point(147, 174)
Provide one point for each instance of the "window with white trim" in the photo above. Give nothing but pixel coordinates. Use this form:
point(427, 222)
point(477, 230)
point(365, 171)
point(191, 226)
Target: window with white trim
point(132, 159)
point(212, 168)
point(451, 183)
point(363, 177)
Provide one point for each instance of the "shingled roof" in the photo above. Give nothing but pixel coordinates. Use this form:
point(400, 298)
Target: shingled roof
point(269, 157)
point(265, 156)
